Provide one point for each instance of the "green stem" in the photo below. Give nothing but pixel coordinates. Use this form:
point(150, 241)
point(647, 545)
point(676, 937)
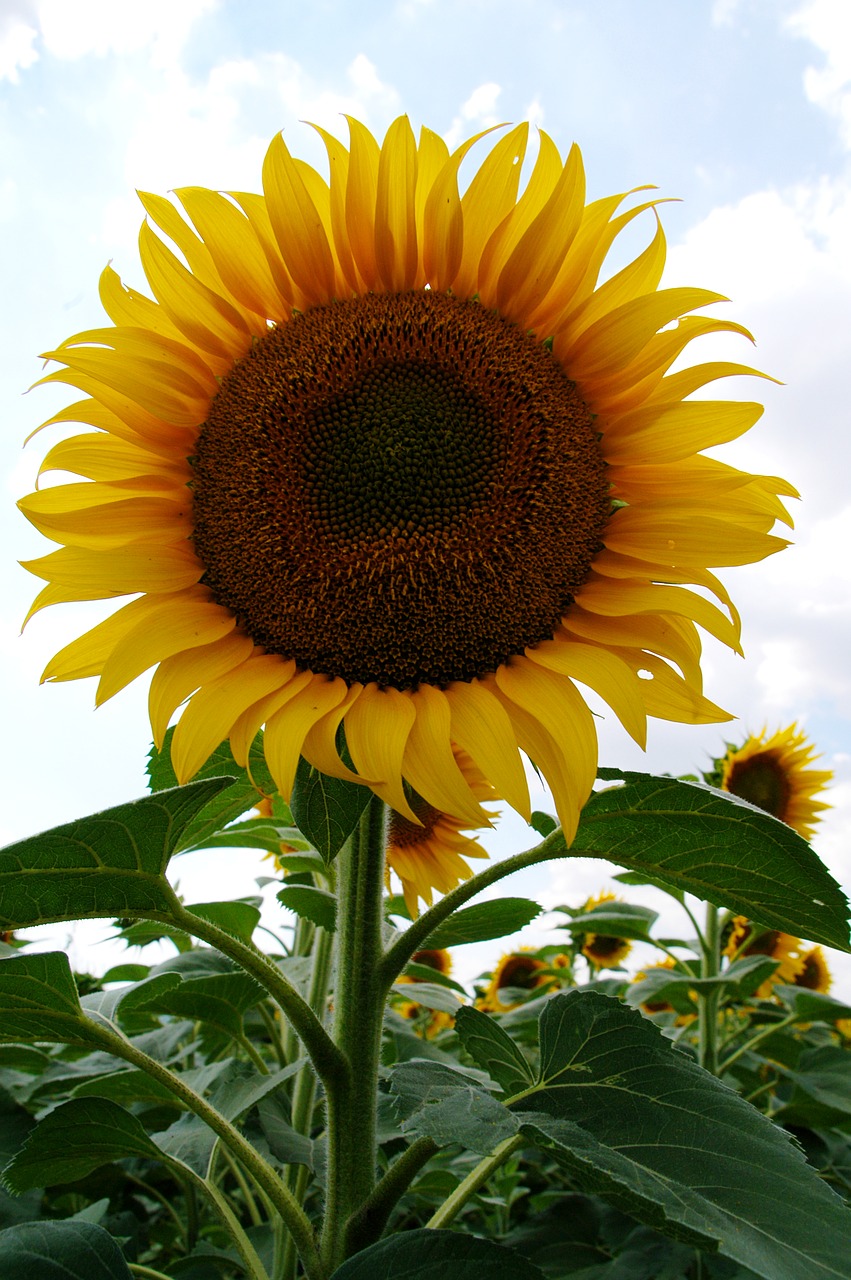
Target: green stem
point(369, 1222)
point(324, 1054)
point(708, 1000)
point(359, 1015)
point(242, 1182)
point(414, 937)
point(757, 1039)
point(262, 1173)
point(475, 1179)
point(139, 1269)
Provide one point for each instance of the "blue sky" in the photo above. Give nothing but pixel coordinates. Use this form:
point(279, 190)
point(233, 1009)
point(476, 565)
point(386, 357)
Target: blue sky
point(739, 108)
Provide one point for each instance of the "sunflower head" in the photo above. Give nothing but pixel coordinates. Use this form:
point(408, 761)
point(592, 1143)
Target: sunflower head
point(743, 938)
point(517, 970)
point(603, 950)
point(813, 972)
point(383, 460)
point(774, 773)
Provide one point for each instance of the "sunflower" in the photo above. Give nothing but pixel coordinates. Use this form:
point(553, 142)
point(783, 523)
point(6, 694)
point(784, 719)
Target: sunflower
point(747, 939)
point(384, 457)
point(603, 950)
point(435, 1020)
point(429, 853)
point(813, 973)
point(774, 774)
point(518, 969)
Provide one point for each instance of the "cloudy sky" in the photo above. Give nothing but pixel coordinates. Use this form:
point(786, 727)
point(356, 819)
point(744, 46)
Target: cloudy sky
point(741, 109)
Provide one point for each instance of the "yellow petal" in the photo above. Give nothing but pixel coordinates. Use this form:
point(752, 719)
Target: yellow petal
point(114, 524)
point(555, 729)
point(338, 164)
point(481, 727)
point(176, 677)
point(164, 215)
point(617, 599)
point(297, 225)
point(491, 195)
point(603, 672)
point(377, 729)
point(123, 571)
point(396, 250)
point(214, 709)
point(236, 251)
point(654, 435)
point(320, 744)
point(664, 634)
point(429, 763)
point(86, 655)
point(247, 725)
point(665, 533)
point(181, 622)
point(288, 727)
point(99, 456)
point(669, 697)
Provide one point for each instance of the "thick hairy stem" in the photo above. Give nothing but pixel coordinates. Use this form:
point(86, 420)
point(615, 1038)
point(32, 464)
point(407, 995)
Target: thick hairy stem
point(358, 1018)
point(369, 1222)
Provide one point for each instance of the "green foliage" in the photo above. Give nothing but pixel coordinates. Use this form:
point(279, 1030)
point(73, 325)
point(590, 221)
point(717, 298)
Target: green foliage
point(483, 922)
point(60, 1251)
point(317, 905)
point(326, 810)
point(682, 835)
point(422, 1255)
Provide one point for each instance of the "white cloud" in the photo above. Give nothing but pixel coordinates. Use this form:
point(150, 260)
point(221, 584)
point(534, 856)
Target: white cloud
point(101, 27)
point(17, 39)
point(827, 25)
point(475, 114)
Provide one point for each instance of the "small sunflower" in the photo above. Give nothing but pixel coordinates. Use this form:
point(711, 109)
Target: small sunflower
point(652, 1006)
point(435, 1020)
point(384, 455)
point(429, 853)
point(746, 939)
point(774, 773)
point(813, 972)
point(518, 969)
point(603, 950)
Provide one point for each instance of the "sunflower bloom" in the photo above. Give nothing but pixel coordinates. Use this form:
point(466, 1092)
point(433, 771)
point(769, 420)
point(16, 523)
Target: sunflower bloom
point(518, 969)
point(814, 973)
point(747, 939)
point(384, 455)
point(774, 773)
point(603, 950)
point(437, 1020)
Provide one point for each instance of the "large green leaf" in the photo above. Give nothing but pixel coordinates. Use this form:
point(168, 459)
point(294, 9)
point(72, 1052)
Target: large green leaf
point(494, 1050)
point(448, 1106)
point(60, 1251)
point(311, 902)
point(75, 1138)
point(422, 1254)
point(645, 1127)
point(38, 1001)
point(243, 790)
point(109, 864)
point(707, 842)
point(326, 810)
point(483, 922)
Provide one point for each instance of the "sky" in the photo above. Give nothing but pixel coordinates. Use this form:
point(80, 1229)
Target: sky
point(739, 110)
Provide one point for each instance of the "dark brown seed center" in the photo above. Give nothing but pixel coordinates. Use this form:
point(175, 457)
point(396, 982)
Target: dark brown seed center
point(761, 780)
point(398, 488)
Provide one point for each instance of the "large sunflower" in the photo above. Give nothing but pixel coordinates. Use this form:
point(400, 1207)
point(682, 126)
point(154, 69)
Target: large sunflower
point(774, 773)
point(386, 456)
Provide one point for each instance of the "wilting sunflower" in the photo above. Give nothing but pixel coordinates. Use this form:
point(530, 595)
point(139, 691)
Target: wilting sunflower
point(384, 455)
point(774, 773)
point(747, 939)
point(813, 972)
point(518, 969)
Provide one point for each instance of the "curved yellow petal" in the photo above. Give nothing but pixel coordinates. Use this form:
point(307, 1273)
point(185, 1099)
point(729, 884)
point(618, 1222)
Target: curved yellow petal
point(114, 524)
point(377, 729)
point(179, 676)
point(212, 712)
point(123, 571)
point(429, 764)
point(601, 671)
point(248, 723)
point(320, 744)
point(396, 249)
point(481, 727)
point(297, 225)
point(86, 655)
point(598, 596)
point(287, 728)
point(488, 199)
point(235, 250)
point(659, 532)
point(657, 435)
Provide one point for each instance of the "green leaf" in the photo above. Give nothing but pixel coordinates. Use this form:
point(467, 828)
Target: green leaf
point(219, 1001)
point(243, 790)
point(430, 995)
point(60, 1251)
point(743, 978)
point(812, 1006)
point(326, 810)
point(75, 1138)
point(312, 903)
point(544, 823)
point(645, 1127)
point(823, 1075)
point(693, 838)
point(110, 864)
point(483, 922)
point(422, 1254)
point(447, 1105)
point(239, 919)
point(256, 833)
point(494, 1050)
point(615, 919)
point(38, 1001)
point(425, 973)
point(127, 1087)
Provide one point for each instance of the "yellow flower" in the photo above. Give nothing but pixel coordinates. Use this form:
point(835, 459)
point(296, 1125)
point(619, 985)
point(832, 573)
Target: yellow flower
point(746, 939)
point(813, 972)
point(774, 773)
point(516, 969)
point(386, 456)
point(603, 950)
point(429, 853)
point(441, 961)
